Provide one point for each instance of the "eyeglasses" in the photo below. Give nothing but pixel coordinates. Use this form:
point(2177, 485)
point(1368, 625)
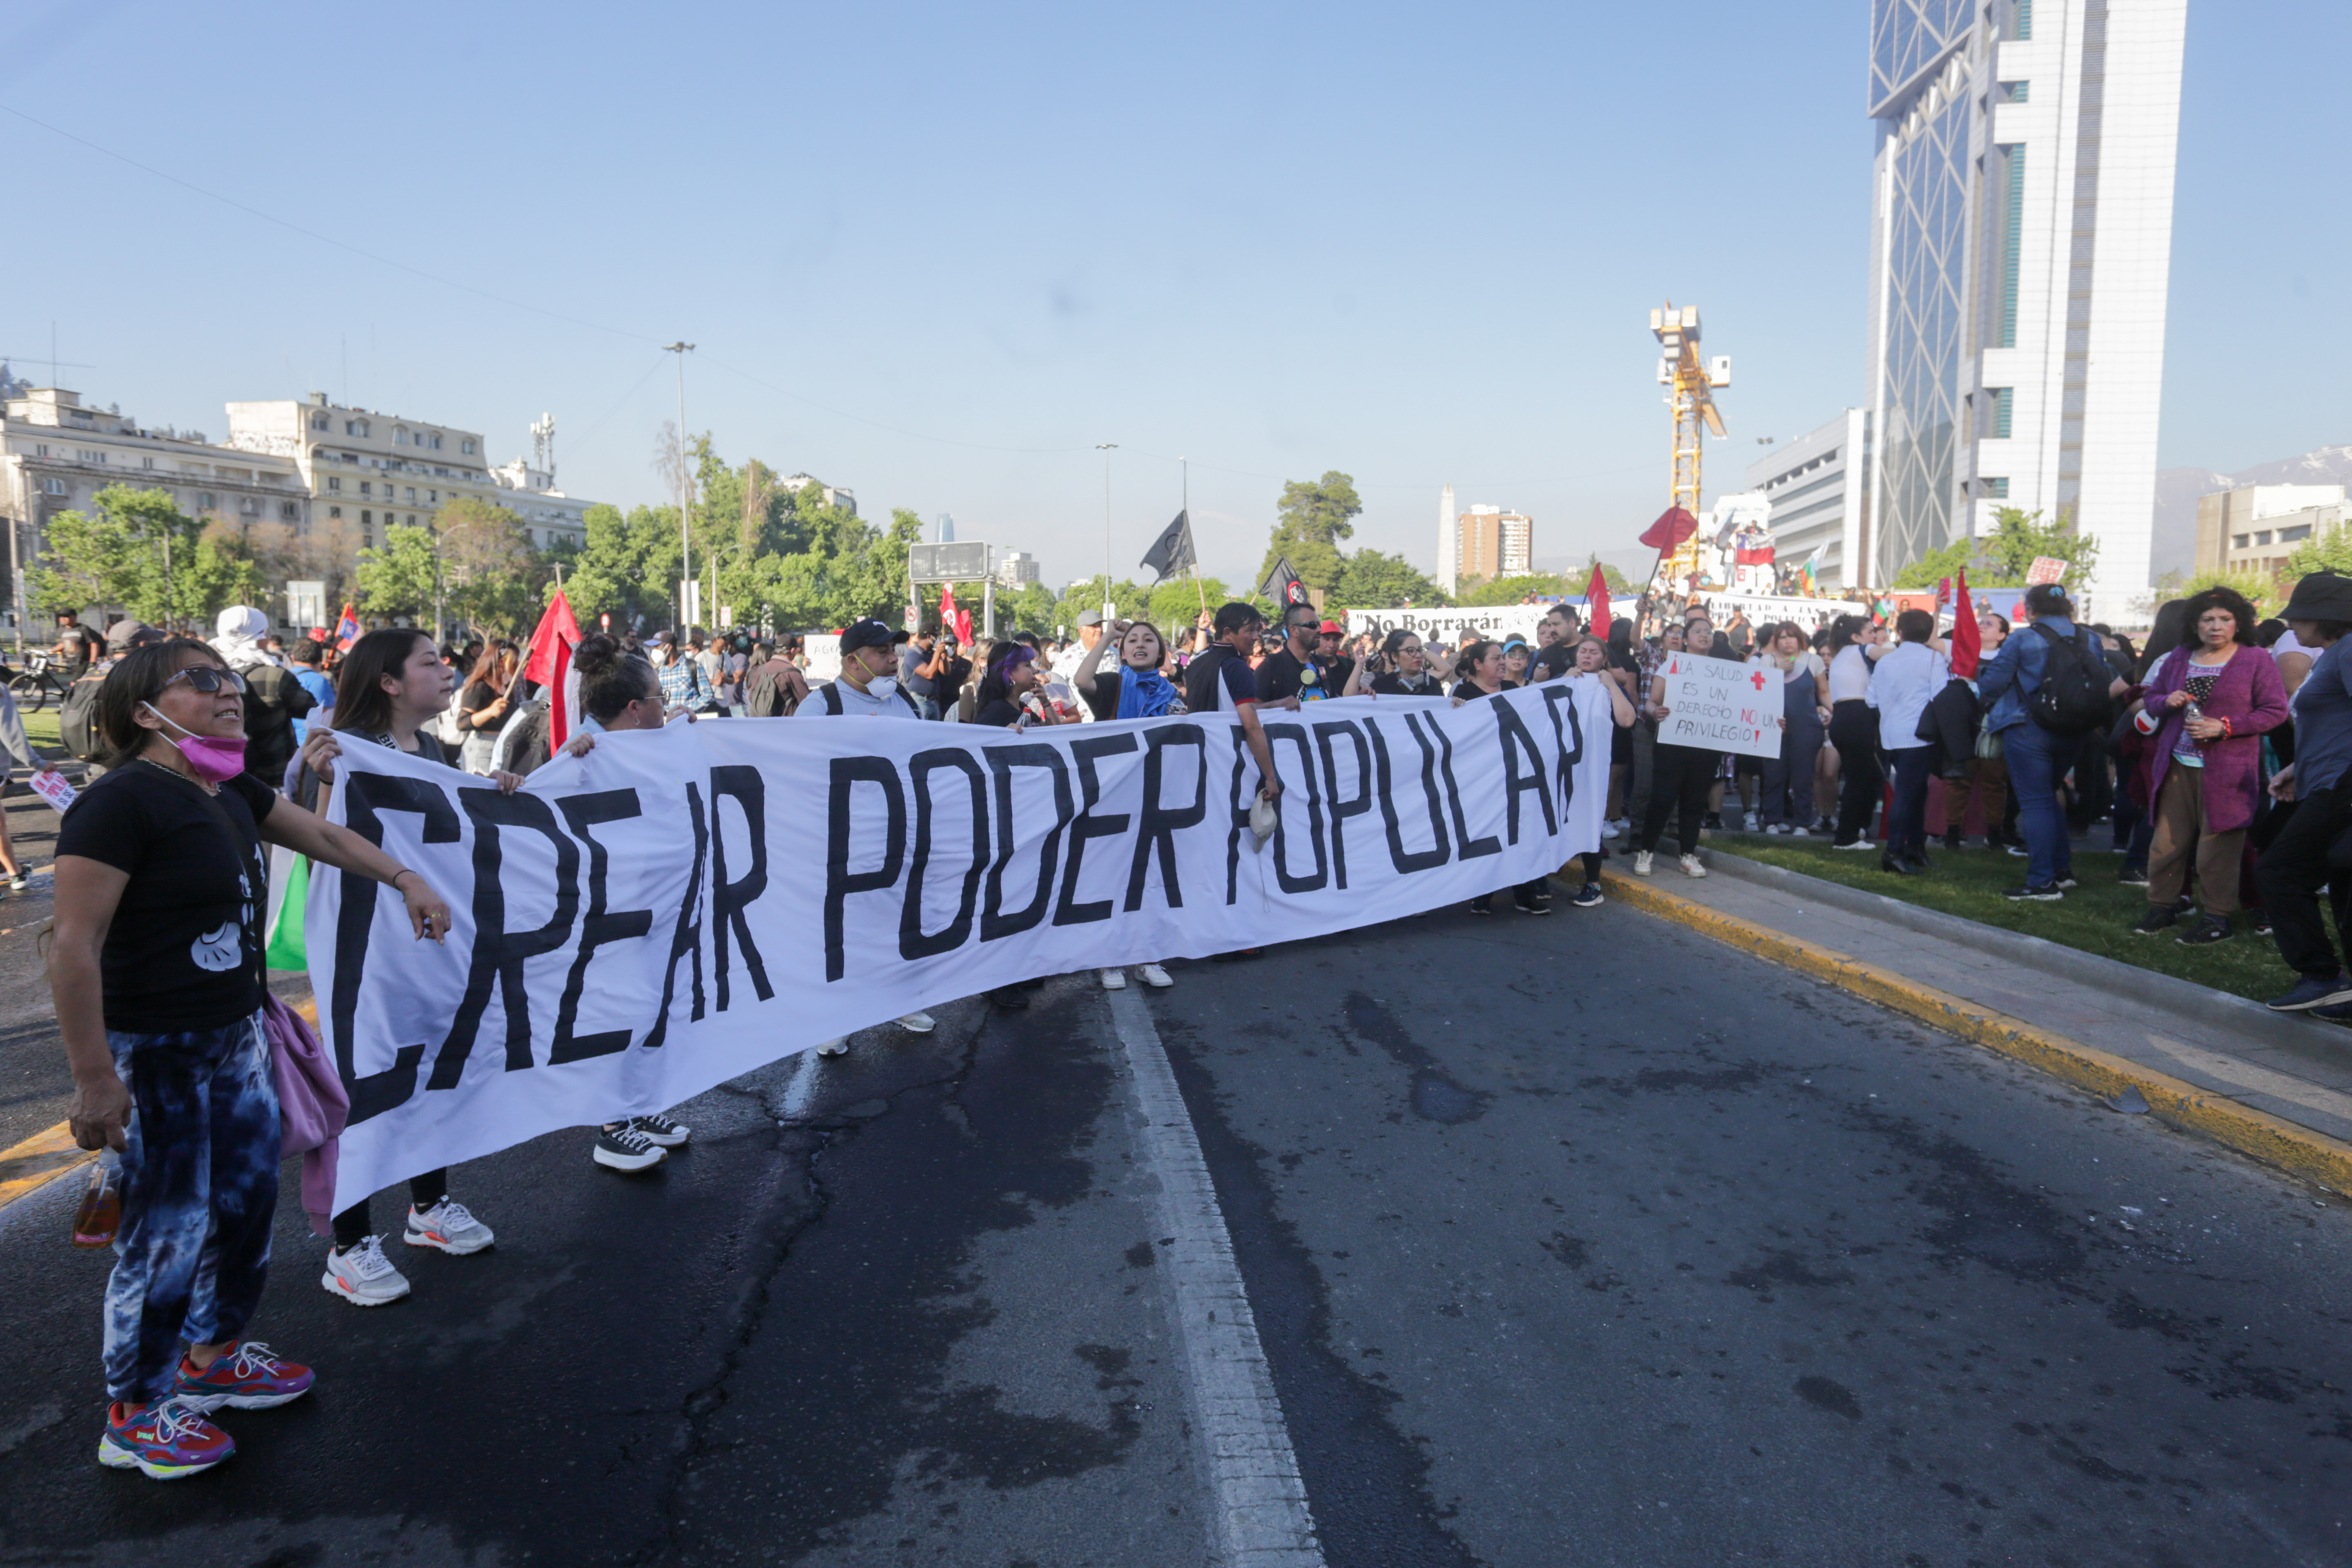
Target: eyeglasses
point(208, 678)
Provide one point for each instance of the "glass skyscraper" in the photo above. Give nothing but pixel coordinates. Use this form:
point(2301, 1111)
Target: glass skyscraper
point(2019, 251)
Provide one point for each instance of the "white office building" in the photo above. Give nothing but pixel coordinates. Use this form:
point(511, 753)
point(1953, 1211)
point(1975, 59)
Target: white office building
point(1818, 497)
point(2019, 253)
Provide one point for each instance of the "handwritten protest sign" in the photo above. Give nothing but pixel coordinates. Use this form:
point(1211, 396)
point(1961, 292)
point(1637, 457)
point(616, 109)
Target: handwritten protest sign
point(1721, 705)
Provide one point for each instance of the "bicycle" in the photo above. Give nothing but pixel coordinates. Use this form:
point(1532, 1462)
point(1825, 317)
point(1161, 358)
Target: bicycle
point(37, 683)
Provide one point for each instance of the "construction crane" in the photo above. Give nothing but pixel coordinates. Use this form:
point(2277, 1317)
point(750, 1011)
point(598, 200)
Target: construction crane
point(1689, 385)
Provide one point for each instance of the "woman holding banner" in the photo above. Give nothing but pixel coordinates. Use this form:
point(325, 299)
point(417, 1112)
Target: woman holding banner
point(1787, 807)
point(157, 972)
point(1137, 689)
point(1403, 667)
point(390, 688)
point(1482, 677)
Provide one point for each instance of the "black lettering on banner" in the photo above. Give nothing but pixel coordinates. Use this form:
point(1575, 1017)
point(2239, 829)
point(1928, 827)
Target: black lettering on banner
point(839, 882)
point(1086, 825)
point(1408, 861)
point(741, 783)
point(1343, 809)
point(1472, 849)
point(1155, 825)
point(913, 941)
point(1558, 696)
point(367, 798)
point(598, 926)
point(1296, 735)
point(685, 937)
point(500, 954)
point(1513, 732)
point(1240, 812)
point(993, 923)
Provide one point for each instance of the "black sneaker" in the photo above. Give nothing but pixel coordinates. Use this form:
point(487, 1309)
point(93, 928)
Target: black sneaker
point(2133, 876)
point(1011, 998)
point(1951, 838)
point(2206, 932)
point(2312, 992)
point(2068, 884)
point(1588, 896)
point(2153, 921)
point(1532, 907)
point(626, 1149)
point(661, 1130)
point(2039, 893)
point(1484, 904)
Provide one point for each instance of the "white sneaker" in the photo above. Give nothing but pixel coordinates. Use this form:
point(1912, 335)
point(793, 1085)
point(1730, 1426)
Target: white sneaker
point(449, 1226)
point(836, 1046)
point(364, 1277)
point(918, 1023)
point(1751, 822)
point(1691, 868)
point(1641, 862)
point(1608, 830)
point(1857, 844)
point(1154, 976)
point(1774, 830)
point(1114, 979)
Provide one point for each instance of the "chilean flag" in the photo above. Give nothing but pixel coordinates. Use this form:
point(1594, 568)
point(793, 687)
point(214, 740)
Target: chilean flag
point(347, 630)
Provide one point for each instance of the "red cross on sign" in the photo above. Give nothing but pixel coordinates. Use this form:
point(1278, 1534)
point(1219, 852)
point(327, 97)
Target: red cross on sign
point(1757, 680)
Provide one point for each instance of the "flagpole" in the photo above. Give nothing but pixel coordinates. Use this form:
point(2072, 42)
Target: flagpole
point(1192, 565)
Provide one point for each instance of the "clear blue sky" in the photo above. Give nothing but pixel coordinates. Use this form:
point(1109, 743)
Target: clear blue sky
point(936, 253)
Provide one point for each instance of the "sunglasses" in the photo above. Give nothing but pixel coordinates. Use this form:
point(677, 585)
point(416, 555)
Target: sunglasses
point(207, 678)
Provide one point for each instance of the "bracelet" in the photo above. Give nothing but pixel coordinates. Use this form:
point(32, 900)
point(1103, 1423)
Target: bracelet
point(393, 880)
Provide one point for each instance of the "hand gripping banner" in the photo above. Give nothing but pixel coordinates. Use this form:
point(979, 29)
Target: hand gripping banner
point(682, 906)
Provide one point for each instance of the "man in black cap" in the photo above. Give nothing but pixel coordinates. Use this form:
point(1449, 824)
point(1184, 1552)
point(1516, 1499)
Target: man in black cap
point(869, 678)
point(2319, 781)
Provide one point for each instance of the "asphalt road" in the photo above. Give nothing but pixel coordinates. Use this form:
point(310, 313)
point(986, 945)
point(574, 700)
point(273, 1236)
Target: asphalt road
point(1578, 1241)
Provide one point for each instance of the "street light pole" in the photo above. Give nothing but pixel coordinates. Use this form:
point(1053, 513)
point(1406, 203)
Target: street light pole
point(684, 539)
point(1107, 449)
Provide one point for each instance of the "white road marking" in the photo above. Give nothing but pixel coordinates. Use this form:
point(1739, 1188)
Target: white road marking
point(798, 1092)
point(1260, 1513)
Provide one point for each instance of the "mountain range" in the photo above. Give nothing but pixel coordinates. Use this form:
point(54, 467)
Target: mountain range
point(2177, 489)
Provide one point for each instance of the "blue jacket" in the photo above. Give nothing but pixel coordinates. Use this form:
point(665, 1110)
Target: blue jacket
point(2012, 675)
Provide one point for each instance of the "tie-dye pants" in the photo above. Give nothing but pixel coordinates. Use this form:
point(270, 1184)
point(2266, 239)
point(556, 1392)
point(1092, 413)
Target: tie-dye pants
point(199, 1191)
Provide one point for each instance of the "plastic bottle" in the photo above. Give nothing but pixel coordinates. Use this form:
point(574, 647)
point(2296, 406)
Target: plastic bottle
point(101, 1204)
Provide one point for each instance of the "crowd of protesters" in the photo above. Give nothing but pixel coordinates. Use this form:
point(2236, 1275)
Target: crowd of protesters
point(2219, 756)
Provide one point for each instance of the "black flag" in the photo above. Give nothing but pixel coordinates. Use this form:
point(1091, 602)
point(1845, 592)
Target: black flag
point(1282, 584)
point(1172, 552)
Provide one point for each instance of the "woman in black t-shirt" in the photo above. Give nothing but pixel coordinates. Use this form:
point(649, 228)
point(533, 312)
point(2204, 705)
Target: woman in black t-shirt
point(1404, 668)
point(391, 685)
point(1013, 694)
point(1482, 667)
point(156, 969)
point(482, 706)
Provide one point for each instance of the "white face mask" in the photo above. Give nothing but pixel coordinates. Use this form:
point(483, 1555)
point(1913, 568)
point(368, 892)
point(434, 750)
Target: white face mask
point(882, 688)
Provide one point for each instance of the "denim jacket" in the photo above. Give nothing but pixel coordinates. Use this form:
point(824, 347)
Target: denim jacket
point(2010, 676)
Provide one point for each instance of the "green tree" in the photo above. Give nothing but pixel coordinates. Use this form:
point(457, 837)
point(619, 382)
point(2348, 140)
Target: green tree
point(2328, 552)
point(489, 574)
point(1491, 591)
point(1176, 604)
point(400, 577)
point(138, 550)
point(1616, 581)
point(2002, 558)
point(1029, 609)
point(1310, 520)
point(1372, 580)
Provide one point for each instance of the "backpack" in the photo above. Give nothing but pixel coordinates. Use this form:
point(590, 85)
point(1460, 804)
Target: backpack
point(832, 689)
point(768, 694)
point(273, 701)
point(78, 717)
point(2073, 697)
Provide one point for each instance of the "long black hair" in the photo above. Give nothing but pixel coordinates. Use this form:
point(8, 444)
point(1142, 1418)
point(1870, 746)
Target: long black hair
point(362, 704)
point(140, 676)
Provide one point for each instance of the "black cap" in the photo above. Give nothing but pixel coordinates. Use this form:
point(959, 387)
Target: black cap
point(868, 633)
point(2320, 596)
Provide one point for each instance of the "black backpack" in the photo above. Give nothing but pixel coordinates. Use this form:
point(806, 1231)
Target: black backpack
point(78, 717)
point(769, 695)
point(273, 701)
point(2073, 697)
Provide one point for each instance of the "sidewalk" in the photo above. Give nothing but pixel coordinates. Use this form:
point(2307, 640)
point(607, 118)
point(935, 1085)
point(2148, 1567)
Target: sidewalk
point(2273, 1086)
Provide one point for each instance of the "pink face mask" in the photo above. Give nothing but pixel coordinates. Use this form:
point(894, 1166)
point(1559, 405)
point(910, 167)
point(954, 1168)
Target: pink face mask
point(215, 759)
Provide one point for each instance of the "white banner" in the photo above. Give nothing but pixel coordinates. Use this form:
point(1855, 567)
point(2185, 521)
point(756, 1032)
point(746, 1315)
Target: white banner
point(1493, 623)
point(1722, 705)
point(1765, 608)
point(684, 905)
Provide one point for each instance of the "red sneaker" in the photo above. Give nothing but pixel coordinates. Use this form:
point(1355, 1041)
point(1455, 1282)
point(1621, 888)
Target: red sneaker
point(166, 1440)
point(245, 1376)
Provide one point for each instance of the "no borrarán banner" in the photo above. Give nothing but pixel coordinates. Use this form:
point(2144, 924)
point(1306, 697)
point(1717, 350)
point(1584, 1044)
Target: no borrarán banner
point(682, 906)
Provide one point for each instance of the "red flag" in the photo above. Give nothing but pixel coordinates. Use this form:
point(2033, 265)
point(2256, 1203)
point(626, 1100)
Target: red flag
point(947, 613)
point(1596, 604)
point(1674, 526)
point(1968, 642)
point(548, 663)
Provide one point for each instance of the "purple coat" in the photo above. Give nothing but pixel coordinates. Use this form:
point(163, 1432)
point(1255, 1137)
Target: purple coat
point(2251, 696)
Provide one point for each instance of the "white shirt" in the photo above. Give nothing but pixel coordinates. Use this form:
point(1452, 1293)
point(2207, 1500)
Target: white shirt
point(2289, 643)
point(1061, 683)
point(1849, 674)
point(854, 704)
point(1906, 678)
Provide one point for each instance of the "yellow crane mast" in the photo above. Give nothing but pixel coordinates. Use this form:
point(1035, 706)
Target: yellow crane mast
point(1689, 385)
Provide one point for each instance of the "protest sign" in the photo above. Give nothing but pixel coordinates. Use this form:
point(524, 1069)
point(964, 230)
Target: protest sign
point(52, 787)
point(1494, 622)
point(683, 905)
point(1721, 705)
point(1762, 609)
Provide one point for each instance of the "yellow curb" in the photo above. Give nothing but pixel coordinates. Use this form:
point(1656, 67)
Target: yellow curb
point(38, 1160)
point(2271, 1139)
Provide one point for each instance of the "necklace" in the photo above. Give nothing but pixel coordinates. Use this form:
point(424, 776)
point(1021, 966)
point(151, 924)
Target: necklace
point(166, 767)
